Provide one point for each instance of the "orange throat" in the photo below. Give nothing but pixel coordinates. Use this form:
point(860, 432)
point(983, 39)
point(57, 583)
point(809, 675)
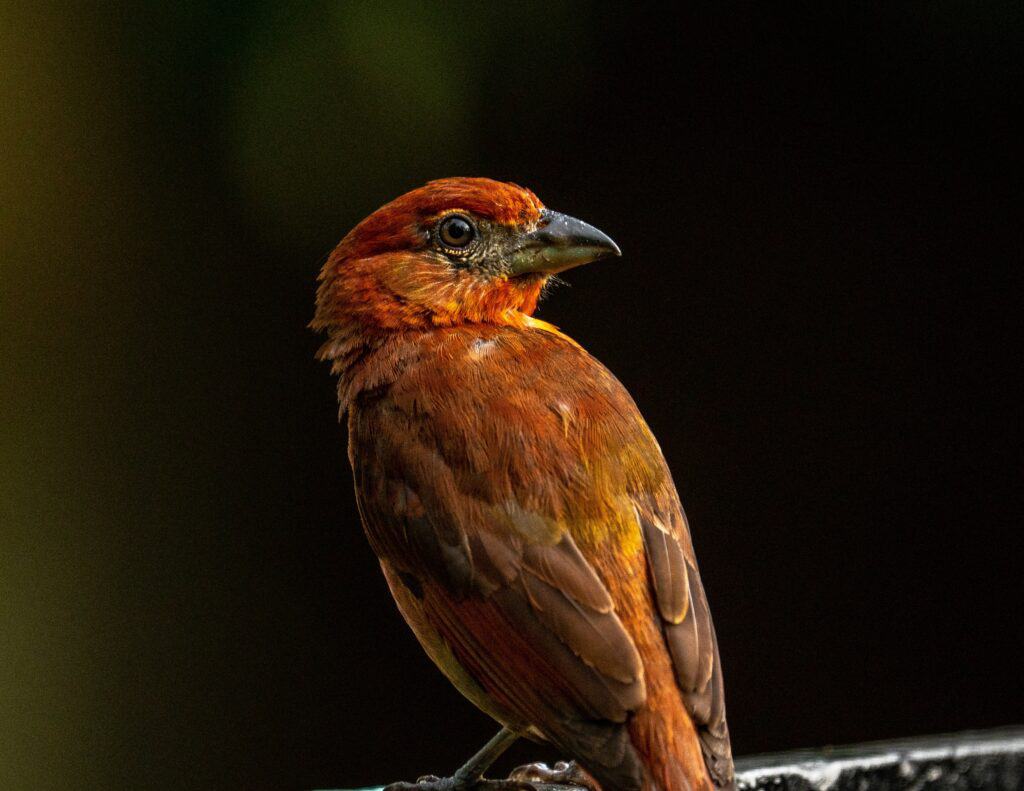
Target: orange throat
point(362, 304)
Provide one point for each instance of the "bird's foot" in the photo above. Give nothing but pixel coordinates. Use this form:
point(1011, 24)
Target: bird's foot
point(563, 773)
point(456, 783)
point(563, 776)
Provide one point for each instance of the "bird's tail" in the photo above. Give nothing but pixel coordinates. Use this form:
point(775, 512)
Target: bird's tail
point(669, 746)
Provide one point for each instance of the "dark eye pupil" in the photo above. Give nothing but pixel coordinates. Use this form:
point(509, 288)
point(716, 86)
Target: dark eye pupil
point(456, 232)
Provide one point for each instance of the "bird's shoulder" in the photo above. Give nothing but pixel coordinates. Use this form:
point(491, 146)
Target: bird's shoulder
point(473, 370)
point(487, 357)
point(519, 413)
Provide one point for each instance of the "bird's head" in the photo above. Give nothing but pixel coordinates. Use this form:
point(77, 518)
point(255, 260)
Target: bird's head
point(455, 251)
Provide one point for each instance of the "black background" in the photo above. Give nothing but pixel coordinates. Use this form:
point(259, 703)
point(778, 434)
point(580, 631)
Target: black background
point(817, 311)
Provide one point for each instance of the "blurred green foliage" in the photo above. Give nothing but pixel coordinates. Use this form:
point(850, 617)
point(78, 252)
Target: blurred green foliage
point(328, 105)
point(68, 198)
point(124, 129)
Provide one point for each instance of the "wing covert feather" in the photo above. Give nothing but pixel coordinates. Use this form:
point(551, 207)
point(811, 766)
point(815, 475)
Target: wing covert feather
point(689, 632)
point(548, 591)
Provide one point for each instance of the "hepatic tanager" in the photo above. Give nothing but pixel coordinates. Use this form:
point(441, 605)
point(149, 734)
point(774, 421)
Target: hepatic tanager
point(522, 511)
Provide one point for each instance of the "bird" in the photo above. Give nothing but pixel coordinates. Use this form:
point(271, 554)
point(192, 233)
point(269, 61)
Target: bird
point(522, 511)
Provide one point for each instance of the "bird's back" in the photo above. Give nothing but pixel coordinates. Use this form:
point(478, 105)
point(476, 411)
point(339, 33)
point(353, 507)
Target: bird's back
point(531, 533)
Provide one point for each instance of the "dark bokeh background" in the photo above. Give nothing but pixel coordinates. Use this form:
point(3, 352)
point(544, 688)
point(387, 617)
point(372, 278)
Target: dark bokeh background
point(817, 311)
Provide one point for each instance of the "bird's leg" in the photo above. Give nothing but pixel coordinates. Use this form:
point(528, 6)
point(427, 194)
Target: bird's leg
point(470, 776)
point(473, 770)
point(561, 774)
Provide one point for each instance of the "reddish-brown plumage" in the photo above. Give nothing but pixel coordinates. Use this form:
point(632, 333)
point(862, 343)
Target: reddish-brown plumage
point(522, 511)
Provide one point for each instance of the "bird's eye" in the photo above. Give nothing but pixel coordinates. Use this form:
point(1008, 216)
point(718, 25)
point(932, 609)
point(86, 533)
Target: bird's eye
point(456, 231)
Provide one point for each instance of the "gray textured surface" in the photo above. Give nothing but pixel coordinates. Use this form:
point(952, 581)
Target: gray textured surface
point(984, 760)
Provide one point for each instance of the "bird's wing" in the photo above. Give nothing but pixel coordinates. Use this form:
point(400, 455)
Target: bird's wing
point(687, 624)
point(508, 589)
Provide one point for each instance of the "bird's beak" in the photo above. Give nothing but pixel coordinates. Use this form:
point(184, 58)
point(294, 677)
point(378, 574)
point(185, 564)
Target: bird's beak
point(559, 243)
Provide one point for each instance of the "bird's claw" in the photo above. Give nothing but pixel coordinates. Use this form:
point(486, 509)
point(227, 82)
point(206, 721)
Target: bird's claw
point(563, 773)
point(435, 783)
point(531, 777)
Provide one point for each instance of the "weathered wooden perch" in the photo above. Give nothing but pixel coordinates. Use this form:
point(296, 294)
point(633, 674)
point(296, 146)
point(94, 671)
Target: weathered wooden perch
point(979, 761)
